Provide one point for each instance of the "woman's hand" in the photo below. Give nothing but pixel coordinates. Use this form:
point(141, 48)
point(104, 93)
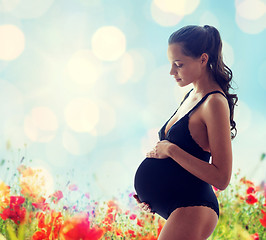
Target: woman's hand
point(160, 150)
point(144, 206)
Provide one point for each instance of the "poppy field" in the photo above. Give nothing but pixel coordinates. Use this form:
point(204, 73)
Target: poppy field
point(26, 212)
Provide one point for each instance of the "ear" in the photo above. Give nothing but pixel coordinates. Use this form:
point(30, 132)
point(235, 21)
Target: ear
point(204, 59)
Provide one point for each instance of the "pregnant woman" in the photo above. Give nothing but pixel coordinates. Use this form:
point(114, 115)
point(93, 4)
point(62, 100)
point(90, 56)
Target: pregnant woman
point(194, 152)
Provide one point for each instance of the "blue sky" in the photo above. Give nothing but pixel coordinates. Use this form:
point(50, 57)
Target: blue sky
point(88, 109)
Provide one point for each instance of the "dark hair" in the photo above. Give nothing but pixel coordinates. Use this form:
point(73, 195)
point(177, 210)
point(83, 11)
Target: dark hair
point(196, 40)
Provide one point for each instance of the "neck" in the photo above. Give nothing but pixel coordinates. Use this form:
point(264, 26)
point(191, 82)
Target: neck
point(205, 84)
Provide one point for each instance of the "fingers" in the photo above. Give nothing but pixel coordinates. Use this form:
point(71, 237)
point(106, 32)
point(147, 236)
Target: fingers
point(144, 206)
point(137, 198)
point(152, 153)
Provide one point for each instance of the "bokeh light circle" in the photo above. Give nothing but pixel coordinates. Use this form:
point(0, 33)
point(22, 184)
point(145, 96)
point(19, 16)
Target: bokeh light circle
point(41, 124)
point(251, 15)
point(37, 181)
point(163, 18)
point(12, 42)
point(108, 43)
point(81, 114)
point(180, 7)
point(169, 12)
point(84, 68)
point(250, 9)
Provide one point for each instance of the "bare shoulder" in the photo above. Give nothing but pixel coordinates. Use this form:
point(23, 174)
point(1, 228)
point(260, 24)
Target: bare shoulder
point(215, 101)
point(216, 105)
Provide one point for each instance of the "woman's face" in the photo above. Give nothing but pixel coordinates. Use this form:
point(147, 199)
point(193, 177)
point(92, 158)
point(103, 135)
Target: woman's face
point(184, 69)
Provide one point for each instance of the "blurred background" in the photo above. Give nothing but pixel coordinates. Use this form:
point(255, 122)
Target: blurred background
point(85, 85)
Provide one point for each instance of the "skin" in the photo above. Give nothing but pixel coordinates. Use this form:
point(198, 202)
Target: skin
point(209, 126)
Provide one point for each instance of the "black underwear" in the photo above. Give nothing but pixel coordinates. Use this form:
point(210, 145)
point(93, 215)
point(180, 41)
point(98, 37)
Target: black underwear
point(164, 184)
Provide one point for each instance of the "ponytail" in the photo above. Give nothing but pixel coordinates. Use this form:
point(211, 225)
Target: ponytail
point(222, 73)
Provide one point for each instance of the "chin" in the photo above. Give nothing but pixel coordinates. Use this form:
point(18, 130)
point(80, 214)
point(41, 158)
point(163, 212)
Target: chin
point(182, 84)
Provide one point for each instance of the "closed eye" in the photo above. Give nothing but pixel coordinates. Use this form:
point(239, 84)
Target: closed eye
point(178, 65)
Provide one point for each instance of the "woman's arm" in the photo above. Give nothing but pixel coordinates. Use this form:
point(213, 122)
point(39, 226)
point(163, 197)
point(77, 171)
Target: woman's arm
point(215, 115)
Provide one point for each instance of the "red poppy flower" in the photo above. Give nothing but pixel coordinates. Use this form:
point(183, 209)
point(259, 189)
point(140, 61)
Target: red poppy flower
point(263, 219)
point(15, 211)
point(255, 236)
point(119, 232)
point(113, 206)
point(264, 194)
point(247, 182)
point(148, 237)
point(131, 233)
point(160, 226)
point(41, 204)
point(39, 235)
point(16, 201)
point(55, 224)
point(133, 216)
point(140, 222)
point(242, 198)
point(51, 228)
point(78, 227)
point(17, 215)
point(57, 196)
point(41, 217)
point(110, 218)
point(251, 190)
point(251, 199)
point(111, 214)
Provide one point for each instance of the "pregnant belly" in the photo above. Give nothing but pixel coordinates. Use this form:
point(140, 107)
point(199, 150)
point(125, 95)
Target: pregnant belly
point(161, 182)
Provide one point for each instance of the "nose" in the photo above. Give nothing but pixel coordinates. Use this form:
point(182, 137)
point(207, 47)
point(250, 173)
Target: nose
point(173, 70)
